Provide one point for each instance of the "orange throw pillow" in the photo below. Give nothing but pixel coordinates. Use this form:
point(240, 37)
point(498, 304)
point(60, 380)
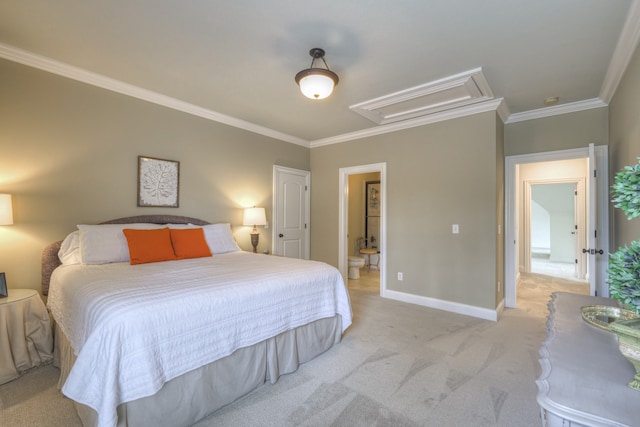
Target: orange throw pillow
point(189, 243)
point(149, 245)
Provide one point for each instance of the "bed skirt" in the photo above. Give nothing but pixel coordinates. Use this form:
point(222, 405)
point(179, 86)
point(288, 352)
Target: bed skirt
point(196, 394)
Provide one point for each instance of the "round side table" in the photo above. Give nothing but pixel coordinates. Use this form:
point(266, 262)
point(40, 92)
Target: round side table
point(25, 333)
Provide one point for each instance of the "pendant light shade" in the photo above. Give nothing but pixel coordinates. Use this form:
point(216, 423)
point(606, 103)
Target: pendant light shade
point(317, 83)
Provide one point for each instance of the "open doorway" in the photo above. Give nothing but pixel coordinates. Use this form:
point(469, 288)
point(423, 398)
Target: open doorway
point(556, 166)
point(355, 190)
point(364, 232)
point(555, 223)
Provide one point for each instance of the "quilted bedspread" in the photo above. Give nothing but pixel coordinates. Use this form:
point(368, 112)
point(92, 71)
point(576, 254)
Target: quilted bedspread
point(133, 328)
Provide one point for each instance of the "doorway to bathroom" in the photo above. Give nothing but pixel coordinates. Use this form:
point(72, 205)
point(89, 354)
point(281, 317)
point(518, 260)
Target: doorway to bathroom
point(364, 232)
point(362, 225)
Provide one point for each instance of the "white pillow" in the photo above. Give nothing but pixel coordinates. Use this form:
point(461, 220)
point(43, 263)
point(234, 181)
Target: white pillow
point(219, 238)
point(69, 252)
point(182, 226)
point(106, 243)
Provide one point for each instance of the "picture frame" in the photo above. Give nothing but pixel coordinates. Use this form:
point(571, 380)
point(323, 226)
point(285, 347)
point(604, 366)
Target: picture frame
point(3, 286)
point(158, 182)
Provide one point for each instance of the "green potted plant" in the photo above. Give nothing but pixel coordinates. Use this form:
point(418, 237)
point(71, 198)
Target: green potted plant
point(624, 276)
point(624, 264)
point(625, 191)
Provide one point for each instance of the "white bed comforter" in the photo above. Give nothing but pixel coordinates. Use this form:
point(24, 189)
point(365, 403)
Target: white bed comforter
point(133, 328)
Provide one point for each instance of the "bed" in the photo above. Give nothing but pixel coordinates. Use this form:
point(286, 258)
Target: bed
point(170, 342)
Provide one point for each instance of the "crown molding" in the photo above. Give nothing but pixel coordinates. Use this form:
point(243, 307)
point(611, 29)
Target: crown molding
point(556, 110)
point(626, 46)
point(479, 107)
point(43, 63)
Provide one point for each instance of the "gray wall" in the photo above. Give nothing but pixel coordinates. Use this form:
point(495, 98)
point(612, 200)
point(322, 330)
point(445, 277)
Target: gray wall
point(566, 131)
point(624, 111)
point(437, 175)
point(69, 156)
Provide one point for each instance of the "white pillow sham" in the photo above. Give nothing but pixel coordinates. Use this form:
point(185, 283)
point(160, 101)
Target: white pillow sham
point(69, 252)
point(106, 243)
point(220, 238)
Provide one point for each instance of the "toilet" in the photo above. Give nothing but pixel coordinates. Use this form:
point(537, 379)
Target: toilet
point(355, 264)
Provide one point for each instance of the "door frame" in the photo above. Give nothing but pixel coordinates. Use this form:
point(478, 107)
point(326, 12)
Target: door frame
point(343, 222)
point(579, 218)
point(277, 170)
point(602, 208)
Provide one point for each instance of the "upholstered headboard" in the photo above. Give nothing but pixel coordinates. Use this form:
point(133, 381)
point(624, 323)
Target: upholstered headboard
point(50, 260)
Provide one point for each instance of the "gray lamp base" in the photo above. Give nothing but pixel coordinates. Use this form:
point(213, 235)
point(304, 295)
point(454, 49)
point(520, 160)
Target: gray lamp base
point(254, 242)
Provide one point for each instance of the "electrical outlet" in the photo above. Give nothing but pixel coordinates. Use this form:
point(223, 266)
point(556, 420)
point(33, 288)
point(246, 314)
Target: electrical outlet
point(455, 229)
point(400, 276)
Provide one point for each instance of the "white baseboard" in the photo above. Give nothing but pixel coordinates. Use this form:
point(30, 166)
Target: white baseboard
point(453, 307)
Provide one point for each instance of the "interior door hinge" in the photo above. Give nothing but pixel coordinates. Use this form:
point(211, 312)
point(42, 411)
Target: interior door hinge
point(305, 188)
point(595, 173)
point(305, 226)
point(576, 261)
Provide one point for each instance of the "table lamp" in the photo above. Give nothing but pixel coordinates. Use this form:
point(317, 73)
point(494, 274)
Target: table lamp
point(6, 209)
point(254, 216)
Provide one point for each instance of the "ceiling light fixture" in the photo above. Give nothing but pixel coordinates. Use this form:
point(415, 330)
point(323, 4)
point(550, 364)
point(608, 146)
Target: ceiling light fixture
point(317, 83)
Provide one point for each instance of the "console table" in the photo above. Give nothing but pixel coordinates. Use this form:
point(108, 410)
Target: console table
point(584, 376)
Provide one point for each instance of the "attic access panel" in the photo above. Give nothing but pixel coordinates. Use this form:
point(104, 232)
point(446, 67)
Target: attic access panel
point(448, 93)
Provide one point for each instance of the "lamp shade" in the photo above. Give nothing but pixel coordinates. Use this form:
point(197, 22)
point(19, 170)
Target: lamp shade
point(254, 216)
point(6, 209)
point(317, 84)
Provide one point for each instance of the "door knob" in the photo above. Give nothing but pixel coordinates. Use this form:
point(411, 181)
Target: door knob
point(280, 235)
point(592, 251)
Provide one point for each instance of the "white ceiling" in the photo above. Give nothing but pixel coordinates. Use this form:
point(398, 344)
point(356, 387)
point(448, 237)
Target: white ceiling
point(235, 61)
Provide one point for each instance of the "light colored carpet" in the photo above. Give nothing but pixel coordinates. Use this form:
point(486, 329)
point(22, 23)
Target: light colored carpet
point(398, 365)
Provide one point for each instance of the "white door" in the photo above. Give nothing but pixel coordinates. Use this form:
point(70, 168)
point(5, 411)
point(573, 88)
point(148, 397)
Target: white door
point(291, 212)
point(597, 239)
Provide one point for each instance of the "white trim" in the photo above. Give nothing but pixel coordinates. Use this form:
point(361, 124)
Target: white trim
point(343, 221)
point(479, 107)
point(79, 74)
point(556, 110)
point(453, 307)
point(626, 46)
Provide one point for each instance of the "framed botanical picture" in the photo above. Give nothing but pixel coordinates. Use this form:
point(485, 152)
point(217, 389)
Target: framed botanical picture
point(158, 182)
point(3, 286)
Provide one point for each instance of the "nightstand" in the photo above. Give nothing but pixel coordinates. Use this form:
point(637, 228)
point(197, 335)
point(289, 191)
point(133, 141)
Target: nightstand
point(25, 333)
